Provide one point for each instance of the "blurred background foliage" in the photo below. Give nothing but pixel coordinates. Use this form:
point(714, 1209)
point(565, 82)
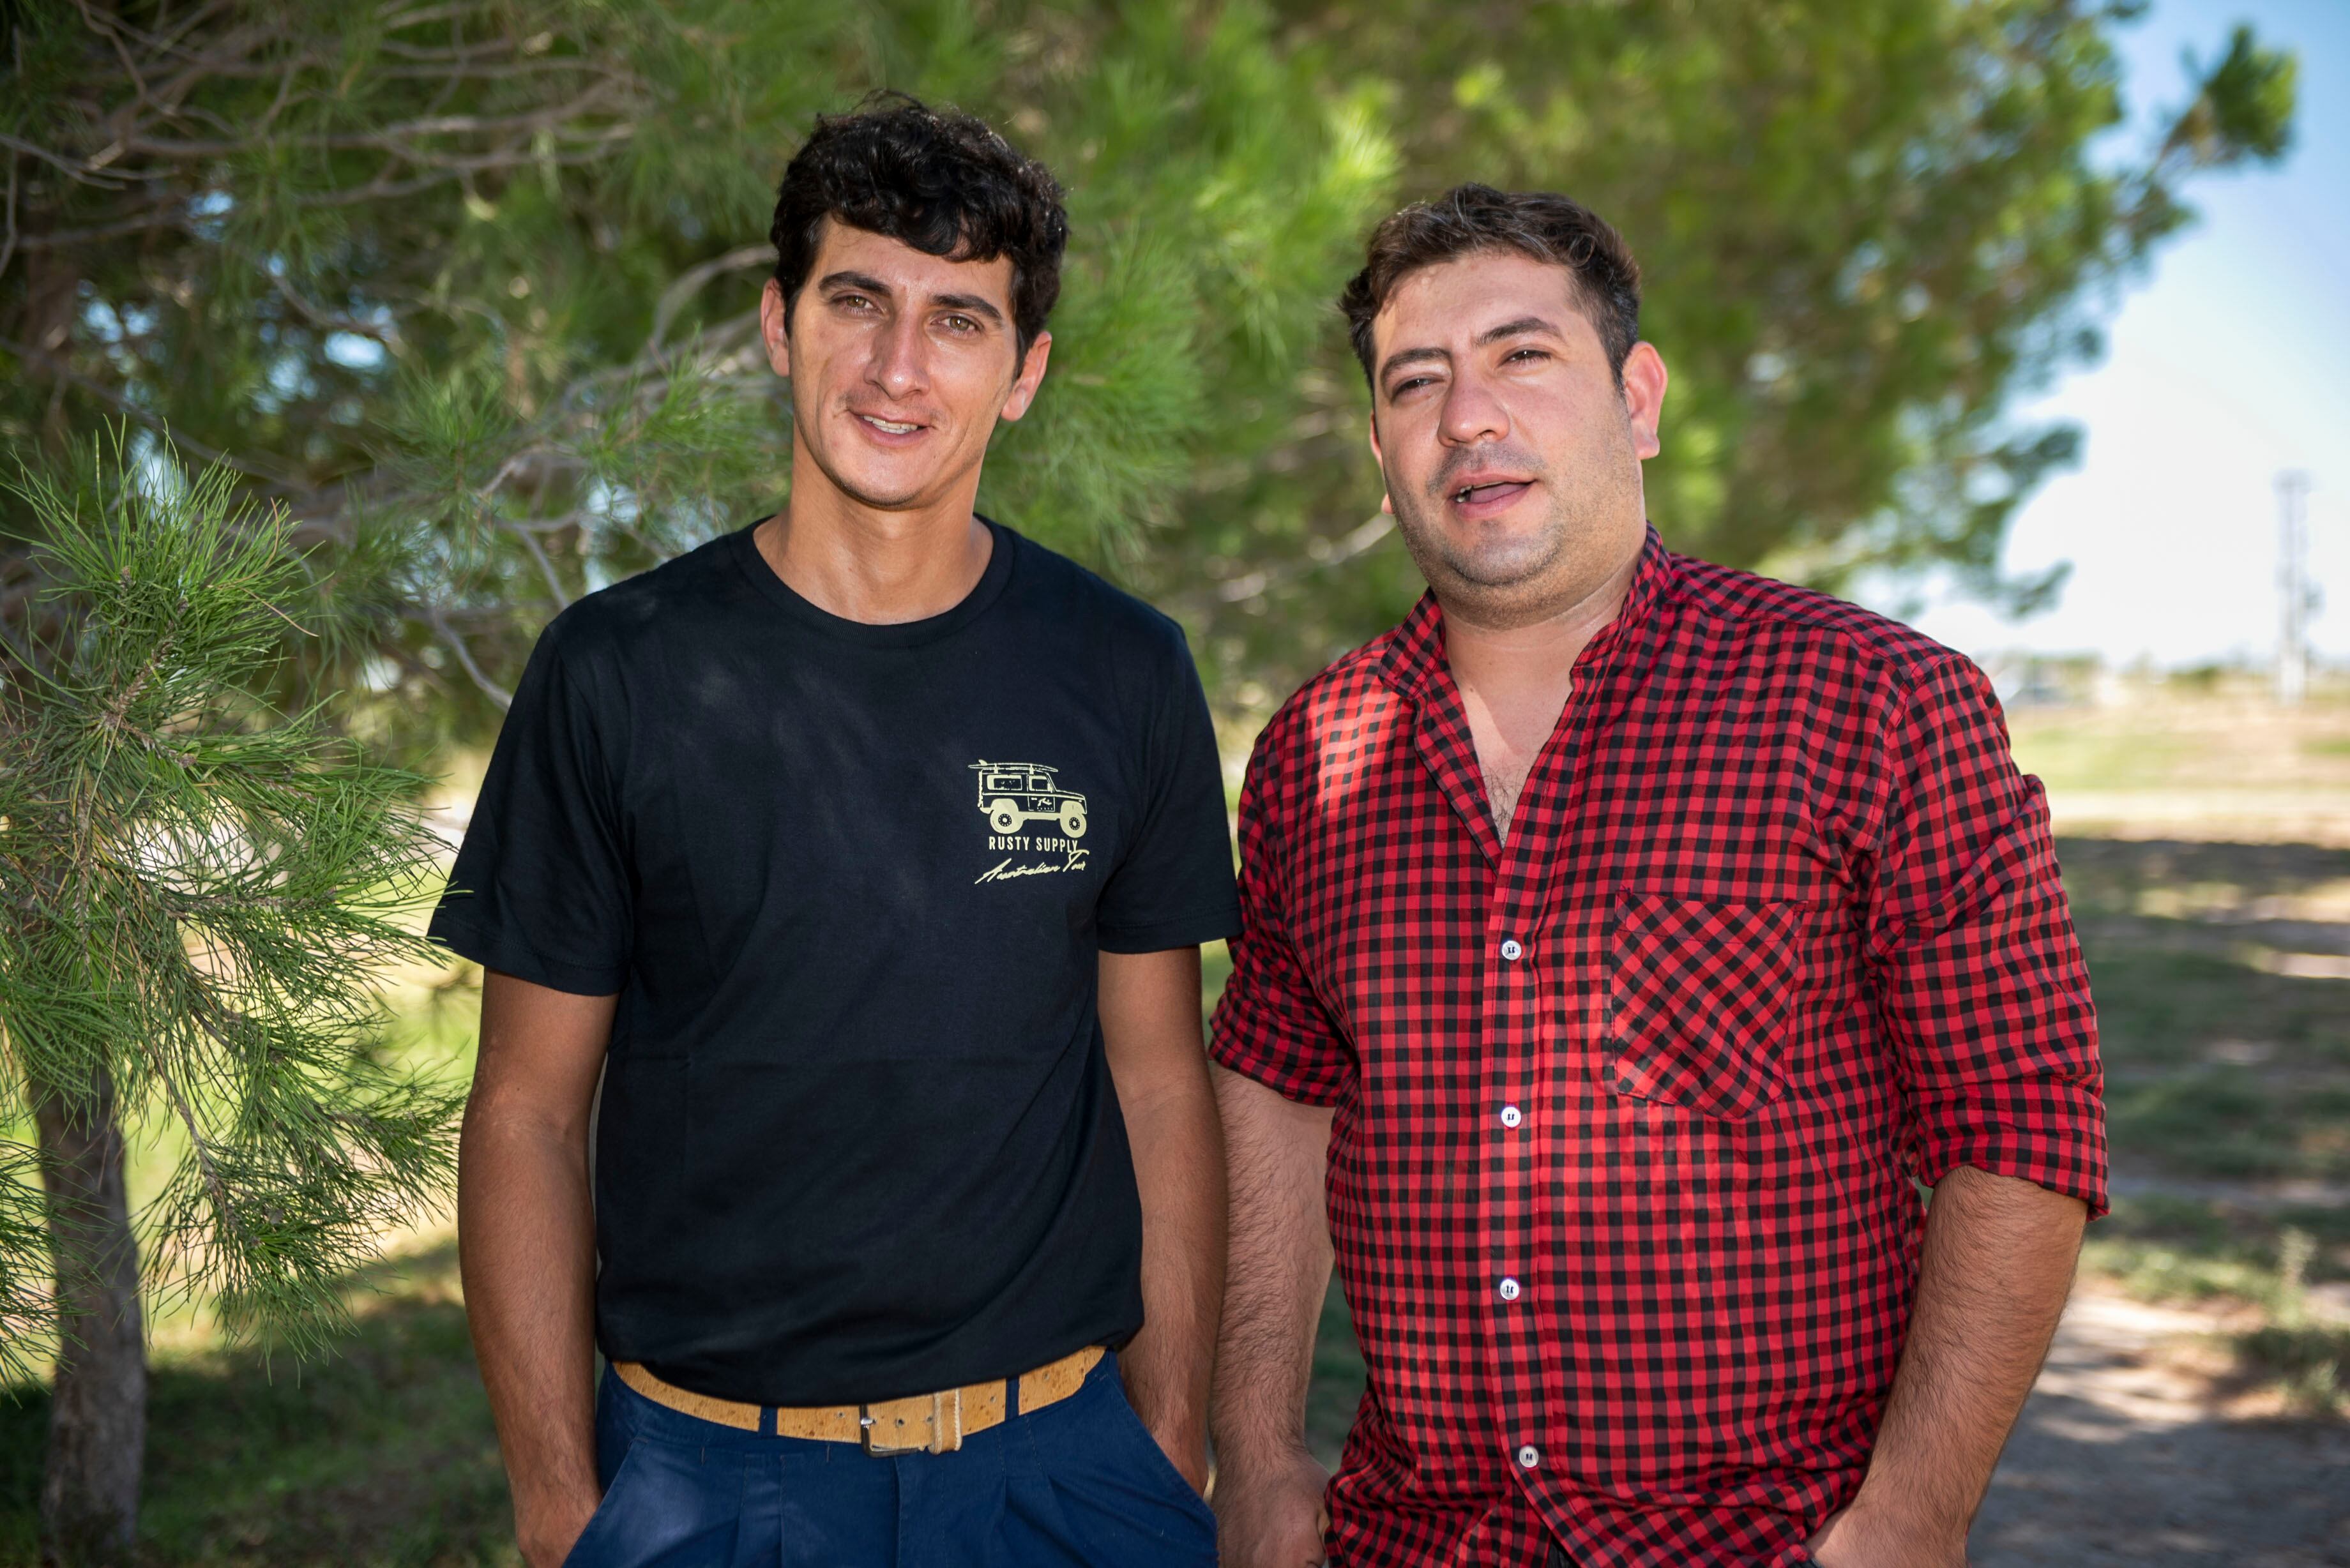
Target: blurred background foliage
point(460, 294)
point(467, 286)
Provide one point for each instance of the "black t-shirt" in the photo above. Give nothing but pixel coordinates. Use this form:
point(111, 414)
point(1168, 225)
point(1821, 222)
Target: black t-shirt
point(858, 1137)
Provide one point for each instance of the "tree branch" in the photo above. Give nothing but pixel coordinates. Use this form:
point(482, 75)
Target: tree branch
point(689, 282)
point(448, 635)
point(553, 584)
point(80, 169)
point(67, 376)
point(8, 244)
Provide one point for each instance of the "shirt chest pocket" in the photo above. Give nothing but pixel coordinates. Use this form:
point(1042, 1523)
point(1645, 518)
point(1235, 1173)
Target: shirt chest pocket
point(1699, 999)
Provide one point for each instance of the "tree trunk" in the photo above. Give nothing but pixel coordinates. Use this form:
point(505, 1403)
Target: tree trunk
point(97, 1413)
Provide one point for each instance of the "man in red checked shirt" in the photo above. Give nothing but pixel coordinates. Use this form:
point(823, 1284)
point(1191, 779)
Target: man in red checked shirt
point(1631, 937)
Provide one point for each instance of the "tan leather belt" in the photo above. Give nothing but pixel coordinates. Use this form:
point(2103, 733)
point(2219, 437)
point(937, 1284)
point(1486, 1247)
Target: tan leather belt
point(919, 1424)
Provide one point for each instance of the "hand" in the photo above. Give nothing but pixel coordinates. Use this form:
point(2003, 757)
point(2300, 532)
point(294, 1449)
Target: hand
point(1187, 1450)
point(1270, 1515)
point(1861, 1537)
point(546, 1528)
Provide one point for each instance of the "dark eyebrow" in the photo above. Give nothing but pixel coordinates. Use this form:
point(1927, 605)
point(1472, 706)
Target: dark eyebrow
point(1521, 327)
point(1403, 356)
point(970, 302)
point(865, 282)
point(1518, 329)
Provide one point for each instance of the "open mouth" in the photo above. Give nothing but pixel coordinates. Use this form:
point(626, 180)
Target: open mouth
point(1489, 491)
point(890, 427)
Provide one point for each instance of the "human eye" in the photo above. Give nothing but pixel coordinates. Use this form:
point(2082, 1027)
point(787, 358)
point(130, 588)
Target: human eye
point(1408, 384)
point(959, 325)
point(1527, 356)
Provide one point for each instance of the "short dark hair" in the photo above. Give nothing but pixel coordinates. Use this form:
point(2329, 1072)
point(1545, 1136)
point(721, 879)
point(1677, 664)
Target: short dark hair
point(1472, 218)
point(938, 180)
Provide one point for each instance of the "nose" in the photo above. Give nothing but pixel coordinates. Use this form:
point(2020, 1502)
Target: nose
point(1472, 412)
point(896, 366)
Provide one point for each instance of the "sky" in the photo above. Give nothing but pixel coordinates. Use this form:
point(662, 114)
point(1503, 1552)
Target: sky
point(2229, 362)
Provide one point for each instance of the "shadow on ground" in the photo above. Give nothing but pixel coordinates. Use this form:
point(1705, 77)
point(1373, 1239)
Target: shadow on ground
point(382, 1456)
point(2083, 1486)
point(2121, 871)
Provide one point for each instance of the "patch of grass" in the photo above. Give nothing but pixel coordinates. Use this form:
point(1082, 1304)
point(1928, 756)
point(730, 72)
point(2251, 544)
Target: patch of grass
point(2216, 1068)
point(2179, 1249)
point(2308, 1361)
point(2120, 876)
point(2311, 1365)
point(2216, 1121)
point(2158, 1006)
point(2065, 755)
point(383, 1456)
point(2172, 1248)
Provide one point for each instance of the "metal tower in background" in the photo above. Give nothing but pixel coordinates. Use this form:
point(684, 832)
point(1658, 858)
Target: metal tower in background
point(2297, 598)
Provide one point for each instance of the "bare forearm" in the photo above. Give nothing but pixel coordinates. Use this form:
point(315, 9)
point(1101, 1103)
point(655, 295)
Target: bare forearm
point(528, 1248)
point(1151, 1030)
point(1278, 1273)
point(1179, 1163)
point(1998, 1264)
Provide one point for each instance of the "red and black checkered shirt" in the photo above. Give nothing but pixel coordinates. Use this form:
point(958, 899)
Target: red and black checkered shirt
point(1631, 1108)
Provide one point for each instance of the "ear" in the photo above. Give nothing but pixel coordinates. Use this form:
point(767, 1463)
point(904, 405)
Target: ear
point(1031, 376)
point(774, 328)
point(1644, 397)
point(1386, 502)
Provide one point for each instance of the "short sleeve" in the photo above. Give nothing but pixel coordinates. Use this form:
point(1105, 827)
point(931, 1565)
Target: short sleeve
point(1270, 1026)
point(1980, 974)
point(540, 889)
point(1173, 886)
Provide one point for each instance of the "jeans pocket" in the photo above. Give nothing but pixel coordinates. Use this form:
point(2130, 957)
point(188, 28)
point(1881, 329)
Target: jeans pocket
point(1145, 1448)
point(586, 1552)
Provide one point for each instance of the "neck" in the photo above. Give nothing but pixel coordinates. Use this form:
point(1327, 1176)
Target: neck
point(877, 564)
point(1538, 653)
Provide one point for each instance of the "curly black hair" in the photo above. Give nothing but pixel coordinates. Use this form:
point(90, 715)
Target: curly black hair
point(937, 180)
point(1539, 224)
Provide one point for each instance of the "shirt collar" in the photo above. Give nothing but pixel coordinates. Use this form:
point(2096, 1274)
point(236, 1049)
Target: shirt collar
point(1415, 650)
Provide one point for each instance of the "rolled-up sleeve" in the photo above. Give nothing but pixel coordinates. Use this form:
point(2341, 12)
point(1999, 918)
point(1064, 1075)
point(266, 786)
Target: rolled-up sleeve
point(1979, 976)
point(1270, 1026)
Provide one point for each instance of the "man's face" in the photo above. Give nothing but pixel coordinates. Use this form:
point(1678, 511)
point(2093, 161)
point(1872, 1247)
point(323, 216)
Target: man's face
point(1512, 463)
point(900, 364)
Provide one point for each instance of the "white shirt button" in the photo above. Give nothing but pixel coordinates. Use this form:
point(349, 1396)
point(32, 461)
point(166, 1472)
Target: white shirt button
point(1510, 1291)
point(1529, 1456)
point(1512, 951)
point(1512, 1115)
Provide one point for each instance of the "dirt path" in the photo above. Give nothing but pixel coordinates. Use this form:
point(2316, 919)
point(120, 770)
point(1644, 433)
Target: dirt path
point(2124, 1457)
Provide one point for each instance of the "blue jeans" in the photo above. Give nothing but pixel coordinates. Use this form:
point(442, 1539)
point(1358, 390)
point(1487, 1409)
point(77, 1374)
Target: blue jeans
point(1079, 1484)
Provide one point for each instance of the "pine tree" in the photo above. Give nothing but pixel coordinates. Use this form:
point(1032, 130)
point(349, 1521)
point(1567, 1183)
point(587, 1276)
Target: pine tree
point(468, 287)
point(200, 893)
point(471, 288)
point(1868, 231)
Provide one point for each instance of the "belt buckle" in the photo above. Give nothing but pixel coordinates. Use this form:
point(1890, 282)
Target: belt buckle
point(933, 1422)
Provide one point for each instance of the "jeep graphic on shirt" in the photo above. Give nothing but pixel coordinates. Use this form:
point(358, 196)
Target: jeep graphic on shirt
point(1013, 795)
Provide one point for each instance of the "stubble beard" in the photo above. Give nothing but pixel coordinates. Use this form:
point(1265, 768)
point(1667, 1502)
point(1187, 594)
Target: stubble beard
point(1527, 577)
point(1513, 582)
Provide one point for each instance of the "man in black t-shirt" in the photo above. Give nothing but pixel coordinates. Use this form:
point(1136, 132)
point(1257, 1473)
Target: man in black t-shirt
point(864, 854)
